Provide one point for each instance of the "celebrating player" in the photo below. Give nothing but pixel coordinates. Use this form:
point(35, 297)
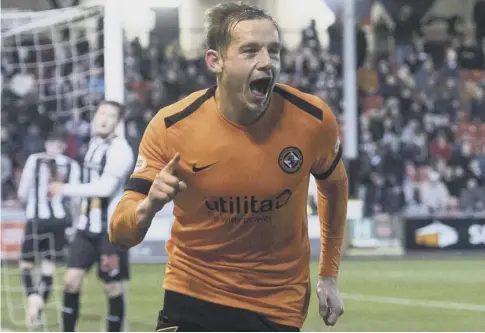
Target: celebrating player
point(236, 159)
point(48, 217)
point(107, 164)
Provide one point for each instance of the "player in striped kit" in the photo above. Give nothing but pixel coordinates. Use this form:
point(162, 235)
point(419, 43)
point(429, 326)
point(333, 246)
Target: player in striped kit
point(47, 219)
point(107, 164)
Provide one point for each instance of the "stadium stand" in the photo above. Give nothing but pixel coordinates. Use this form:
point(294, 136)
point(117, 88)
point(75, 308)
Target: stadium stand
point(422, 122)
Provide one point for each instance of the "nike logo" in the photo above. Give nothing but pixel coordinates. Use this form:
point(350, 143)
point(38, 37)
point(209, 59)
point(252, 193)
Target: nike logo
point(196, 168)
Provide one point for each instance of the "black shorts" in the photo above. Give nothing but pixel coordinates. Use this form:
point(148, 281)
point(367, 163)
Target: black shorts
point(87, 249)
point(44, 239)
point(183, 313)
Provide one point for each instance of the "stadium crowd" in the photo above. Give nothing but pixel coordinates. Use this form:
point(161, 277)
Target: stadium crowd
point(421, 106)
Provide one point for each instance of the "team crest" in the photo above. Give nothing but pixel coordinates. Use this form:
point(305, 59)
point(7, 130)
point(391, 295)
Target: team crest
point(291, 159)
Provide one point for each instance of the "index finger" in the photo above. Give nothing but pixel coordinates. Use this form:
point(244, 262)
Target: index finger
point(171, 166)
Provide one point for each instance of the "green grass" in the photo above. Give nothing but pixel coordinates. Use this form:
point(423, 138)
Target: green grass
point(445, 280)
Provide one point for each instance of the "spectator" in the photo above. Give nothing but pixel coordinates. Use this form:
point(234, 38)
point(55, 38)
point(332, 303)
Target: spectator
point(440, 148)
point(463, 155)
point(22, 83)
point(417, 207)
point(481, 157)
point(335, 32)
point(450, 66)
point(424, 73)
point(96, 83)
point(405, 27)
point(477, 106)
point(382, 37)
point(458, 181)
point(376, 195)
point(470, 55)
point(434, 193)
point(309, 36)
point(6, 176)
point(33, 142)
point(472, 197)
point(476, 172)
point(479, 20)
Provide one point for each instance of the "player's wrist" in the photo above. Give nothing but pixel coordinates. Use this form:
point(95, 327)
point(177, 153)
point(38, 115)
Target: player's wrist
point(327, 279)
point(154, 204)
point(145, 212)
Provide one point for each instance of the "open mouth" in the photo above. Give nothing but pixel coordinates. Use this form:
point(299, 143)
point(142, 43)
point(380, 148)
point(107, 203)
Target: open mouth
point(260, 87)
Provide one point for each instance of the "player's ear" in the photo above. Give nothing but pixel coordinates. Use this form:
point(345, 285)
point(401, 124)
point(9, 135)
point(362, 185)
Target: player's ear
point(213, 60)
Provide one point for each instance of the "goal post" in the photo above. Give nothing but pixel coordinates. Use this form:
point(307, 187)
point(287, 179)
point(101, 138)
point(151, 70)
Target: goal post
point(113, 56)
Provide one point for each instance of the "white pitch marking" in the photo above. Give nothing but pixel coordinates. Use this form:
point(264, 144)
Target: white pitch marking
point(415, 302)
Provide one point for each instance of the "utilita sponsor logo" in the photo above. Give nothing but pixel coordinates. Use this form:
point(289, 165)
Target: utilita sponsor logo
point(247, 204)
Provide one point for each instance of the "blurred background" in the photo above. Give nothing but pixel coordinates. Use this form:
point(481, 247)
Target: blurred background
point(405, 79)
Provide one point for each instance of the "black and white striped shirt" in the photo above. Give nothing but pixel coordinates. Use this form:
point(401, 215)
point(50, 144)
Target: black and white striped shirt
point(107, 165)
point(41, 169)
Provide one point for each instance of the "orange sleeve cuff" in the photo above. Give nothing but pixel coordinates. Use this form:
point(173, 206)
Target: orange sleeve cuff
point(123, 229)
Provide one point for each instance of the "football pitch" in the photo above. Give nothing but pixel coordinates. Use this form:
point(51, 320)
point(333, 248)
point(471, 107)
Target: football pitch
point(385, 295)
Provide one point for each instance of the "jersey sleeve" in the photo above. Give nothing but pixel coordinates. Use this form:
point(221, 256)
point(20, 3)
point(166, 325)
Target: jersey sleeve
point(152, 157)
point(75, 176)
point(328, 150)
point(26, 178)
point(332, 193)
point(119, 160)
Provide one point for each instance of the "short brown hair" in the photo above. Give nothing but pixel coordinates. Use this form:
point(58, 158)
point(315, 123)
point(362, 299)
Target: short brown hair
point(120, 107)
point(221, 19)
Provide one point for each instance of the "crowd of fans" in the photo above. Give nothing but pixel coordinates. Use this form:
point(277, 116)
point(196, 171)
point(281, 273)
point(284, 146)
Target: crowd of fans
point(421, 106)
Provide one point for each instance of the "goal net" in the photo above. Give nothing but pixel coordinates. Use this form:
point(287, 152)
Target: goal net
point(52, 78)
point(53, 63)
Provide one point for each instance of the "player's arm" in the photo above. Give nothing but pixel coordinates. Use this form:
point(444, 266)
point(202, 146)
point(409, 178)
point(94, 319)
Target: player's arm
point(152, 184)
point(119, 160)
point(75, 178)
point(332, 195)
point(26, 179)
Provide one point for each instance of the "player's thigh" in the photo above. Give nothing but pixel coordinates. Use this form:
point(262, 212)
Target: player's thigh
point(82, 252)
point(53, 242)
point(117, 274)
point(29, 245)
point(119, 269)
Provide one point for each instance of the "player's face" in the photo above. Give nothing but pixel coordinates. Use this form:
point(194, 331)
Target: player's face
point(251, 64)
point(106, 119)
point(55, 147)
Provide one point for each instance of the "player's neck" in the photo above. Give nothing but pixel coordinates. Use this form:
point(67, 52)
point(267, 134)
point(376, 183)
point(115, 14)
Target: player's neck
point(107, 137)
point(51, 154)
point(233, 112)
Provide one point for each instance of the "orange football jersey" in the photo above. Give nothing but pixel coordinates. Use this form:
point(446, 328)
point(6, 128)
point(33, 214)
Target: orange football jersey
point(240, 233)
